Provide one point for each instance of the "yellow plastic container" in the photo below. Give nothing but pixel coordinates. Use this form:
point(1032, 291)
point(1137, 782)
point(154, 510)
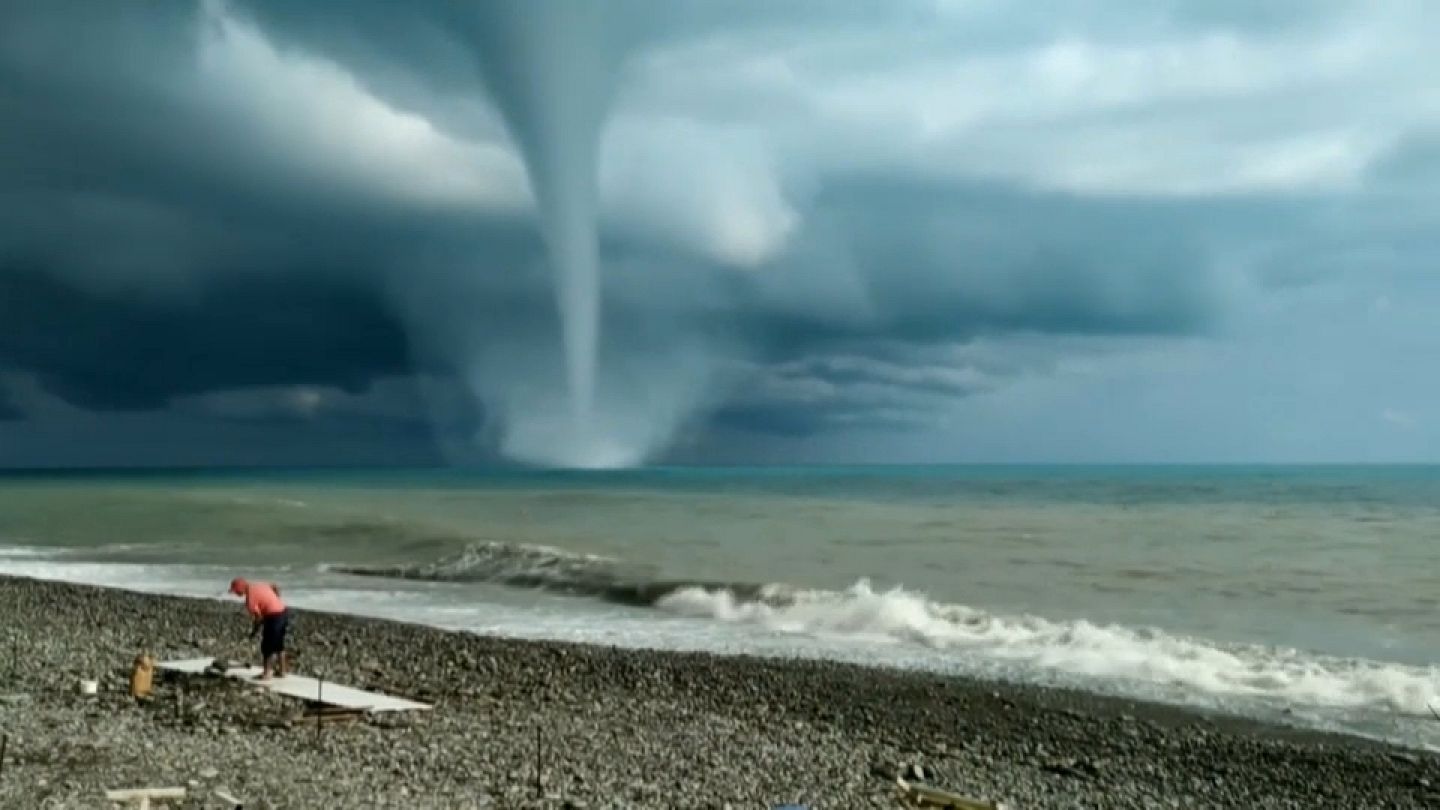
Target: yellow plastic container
point(141, 676)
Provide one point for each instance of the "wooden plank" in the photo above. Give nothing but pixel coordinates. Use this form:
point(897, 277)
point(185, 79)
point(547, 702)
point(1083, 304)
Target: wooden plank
point(303, 687)
point(133, 794)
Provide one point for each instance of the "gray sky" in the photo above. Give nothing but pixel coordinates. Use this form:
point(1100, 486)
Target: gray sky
point(941, 231)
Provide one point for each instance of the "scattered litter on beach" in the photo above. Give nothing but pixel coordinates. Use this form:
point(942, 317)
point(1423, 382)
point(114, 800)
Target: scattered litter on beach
point(919, 795)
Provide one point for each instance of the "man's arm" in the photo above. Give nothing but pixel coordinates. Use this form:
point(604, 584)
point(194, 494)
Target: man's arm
point(253, 608)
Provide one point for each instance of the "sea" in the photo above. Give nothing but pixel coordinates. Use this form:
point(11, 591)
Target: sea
point(1300, 595)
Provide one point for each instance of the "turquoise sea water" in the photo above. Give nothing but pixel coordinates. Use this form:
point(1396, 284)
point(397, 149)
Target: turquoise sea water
point(1310, 594)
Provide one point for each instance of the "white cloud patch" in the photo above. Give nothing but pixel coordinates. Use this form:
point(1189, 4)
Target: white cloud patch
point(320, 122)
point(1116, 103)
point(712, 190)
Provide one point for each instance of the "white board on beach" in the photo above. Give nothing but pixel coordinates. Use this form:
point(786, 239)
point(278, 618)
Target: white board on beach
point(303, 687)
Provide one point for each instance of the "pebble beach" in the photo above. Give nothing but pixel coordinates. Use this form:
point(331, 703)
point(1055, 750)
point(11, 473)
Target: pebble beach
point(538, 724)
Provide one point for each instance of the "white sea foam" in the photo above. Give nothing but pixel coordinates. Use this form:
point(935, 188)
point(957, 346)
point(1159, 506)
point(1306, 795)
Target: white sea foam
point(1078, 648)
point(29, 553)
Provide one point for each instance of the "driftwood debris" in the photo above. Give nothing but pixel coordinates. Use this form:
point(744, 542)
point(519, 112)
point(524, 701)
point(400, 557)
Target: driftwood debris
point(141, 797)
point(926, 796)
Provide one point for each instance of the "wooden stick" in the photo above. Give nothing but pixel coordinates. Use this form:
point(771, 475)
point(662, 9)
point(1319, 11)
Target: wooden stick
point(319, 698)
point(1432, 711)
point(4, 743)
point(539, 791)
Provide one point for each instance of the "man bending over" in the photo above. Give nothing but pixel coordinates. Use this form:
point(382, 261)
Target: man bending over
point(271, 620)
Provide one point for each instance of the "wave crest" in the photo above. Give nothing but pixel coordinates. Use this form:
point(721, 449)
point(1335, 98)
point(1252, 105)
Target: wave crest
point(551, 569)
point(1077, 647)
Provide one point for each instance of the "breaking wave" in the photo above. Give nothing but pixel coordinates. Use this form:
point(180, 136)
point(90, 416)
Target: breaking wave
point(861, 613)
point(1079, 647)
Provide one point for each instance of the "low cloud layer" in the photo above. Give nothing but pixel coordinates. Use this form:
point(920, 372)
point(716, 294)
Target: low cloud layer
point(824, 231)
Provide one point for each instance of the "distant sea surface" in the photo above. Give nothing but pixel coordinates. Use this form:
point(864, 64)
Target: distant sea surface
point(1308, 595)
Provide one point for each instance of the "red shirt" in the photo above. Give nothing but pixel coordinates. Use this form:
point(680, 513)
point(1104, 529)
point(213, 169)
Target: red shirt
point(262, 601)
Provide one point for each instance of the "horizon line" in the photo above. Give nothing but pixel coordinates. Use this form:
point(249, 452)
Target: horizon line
point(501, 467)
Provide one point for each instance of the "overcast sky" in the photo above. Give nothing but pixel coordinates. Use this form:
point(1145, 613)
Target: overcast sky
point(265, 232)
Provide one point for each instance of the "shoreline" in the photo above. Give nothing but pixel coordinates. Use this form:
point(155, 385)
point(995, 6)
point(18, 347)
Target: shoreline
point(626, 727)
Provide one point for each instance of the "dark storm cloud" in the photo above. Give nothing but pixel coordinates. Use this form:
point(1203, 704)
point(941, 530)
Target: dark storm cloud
point(928, 263)
point(226, 208)
point(387, 409)
point(893, 384)
point(149, 251)
point(931, 263)
point(9, 410)
point(807, 397)
point(102, 353)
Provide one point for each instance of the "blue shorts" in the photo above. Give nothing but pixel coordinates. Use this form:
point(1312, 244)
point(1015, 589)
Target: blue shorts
point(272, 633)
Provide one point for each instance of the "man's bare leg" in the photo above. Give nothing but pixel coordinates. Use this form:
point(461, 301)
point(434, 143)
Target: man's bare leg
point(283, 667)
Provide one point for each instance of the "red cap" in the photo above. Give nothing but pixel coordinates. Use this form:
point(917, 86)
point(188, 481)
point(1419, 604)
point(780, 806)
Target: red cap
point(238, 586)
